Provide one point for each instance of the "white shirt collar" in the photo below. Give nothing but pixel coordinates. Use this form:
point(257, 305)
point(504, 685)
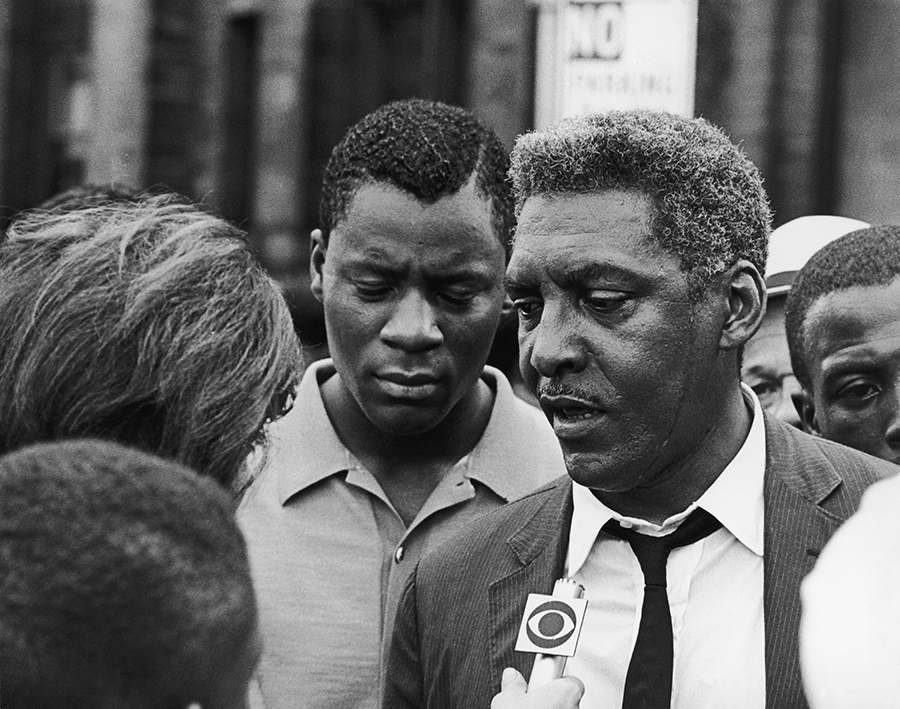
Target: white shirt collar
point(735, 499)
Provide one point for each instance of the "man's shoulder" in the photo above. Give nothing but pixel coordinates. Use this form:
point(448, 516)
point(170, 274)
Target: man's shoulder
point(858, 470)
point(302, 448)
point(518, 451)
point(486, 540)
point(821, 469)
point(508, 405)
point(514, 515)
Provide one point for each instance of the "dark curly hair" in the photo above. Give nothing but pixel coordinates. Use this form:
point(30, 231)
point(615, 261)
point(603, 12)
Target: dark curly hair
point(123, 578)
point(426, 148)
point(863, 258)
point(710, 206)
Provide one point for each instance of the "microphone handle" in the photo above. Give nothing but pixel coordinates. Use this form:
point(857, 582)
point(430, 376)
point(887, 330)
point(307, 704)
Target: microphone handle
point(550, 667)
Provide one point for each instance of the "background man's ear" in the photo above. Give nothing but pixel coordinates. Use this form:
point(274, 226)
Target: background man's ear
point(746, 304)
point(317, 249)
point(806, 409)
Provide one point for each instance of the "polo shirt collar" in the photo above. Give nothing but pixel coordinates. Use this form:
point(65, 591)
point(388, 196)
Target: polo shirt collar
point(502, 453)
point(735, 498)
point(322, 454)
point(496, 461)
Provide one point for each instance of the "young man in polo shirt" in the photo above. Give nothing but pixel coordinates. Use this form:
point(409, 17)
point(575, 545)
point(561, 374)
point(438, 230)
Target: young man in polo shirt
point(405, 435)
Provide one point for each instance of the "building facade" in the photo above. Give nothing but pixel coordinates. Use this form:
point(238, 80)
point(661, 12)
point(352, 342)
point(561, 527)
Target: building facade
point(237, 103)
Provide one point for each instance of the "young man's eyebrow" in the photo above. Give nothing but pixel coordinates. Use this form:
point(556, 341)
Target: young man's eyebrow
point(466, 271)
point(384, 270)
point(863, 362)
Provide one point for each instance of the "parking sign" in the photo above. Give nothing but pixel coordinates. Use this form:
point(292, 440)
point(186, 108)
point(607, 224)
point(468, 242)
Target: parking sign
point(601, 55)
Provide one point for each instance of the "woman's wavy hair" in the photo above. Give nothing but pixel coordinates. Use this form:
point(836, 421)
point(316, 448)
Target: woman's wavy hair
point(145, 321)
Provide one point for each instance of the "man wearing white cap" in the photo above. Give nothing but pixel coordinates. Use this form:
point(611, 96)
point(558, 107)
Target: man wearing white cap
point(766, 366)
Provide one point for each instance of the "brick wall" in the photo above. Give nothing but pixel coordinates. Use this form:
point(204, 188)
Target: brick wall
point(5, 112)
point(764, 75)
point(807, 86)
point(499, 73)
point(174, 114)
point(869, 129)
point(45, 39)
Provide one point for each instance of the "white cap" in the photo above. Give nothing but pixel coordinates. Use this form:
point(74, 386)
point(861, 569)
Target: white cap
point(792, 244)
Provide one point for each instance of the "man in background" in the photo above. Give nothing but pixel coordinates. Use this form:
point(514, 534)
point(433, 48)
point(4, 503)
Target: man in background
point(403, 436)
point(766, 362)
point(124, 583)
point(843, 328)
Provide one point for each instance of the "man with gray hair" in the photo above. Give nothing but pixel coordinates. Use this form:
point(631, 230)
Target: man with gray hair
point(689, 516)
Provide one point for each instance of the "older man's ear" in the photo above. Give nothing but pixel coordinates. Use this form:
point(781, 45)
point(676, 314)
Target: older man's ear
point(744, 292)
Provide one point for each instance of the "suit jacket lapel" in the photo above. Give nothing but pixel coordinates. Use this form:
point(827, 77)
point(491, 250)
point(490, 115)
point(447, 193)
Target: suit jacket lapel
point(797, 479)
point(539, 546)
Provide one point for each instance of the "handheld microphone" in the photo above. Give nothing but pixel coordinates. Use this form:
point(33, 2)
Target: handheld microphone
point(550, 627)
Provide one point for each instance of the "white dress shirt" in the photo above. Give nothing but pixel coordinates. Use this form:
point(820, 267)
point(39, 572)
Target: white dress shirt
point(715, 591)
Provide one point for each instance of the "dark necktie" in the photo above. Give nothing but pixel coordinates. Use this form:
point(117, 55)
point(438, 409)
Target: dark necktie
point(648, 684)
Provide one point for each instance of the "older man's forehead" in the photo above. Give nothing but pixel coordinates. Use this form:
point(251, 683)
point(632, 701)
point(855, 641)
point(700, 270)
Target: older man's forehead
point(567, 211)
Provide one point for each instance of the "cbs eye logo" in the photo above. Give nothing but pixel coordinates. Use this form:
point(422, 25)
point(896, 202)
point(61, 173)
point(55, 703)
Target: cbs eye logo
point(551, 624)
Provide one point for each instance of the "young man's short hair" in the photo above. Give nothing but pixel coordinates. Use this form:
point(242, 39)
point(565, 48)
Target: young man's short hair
point(124, 581)
point(426, 148)
point(149, 322)
point(710, 208)
point(863, 258)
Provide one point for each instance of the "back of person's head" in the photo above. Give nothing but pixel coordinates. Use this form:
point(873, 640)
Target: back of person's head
point(425, 148)
point(710, 209)
point(863, 258)
point(89, 195)
point(146, 322)
point(124, 582)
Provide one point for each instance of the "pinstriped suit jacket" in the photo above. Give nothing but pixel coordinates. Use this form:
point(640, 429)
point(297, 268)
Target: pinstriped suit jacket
point(460, 612)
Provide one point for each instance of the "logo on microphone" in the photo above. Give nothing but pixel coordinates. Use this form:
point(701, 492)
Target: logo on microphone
point(550, 625)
